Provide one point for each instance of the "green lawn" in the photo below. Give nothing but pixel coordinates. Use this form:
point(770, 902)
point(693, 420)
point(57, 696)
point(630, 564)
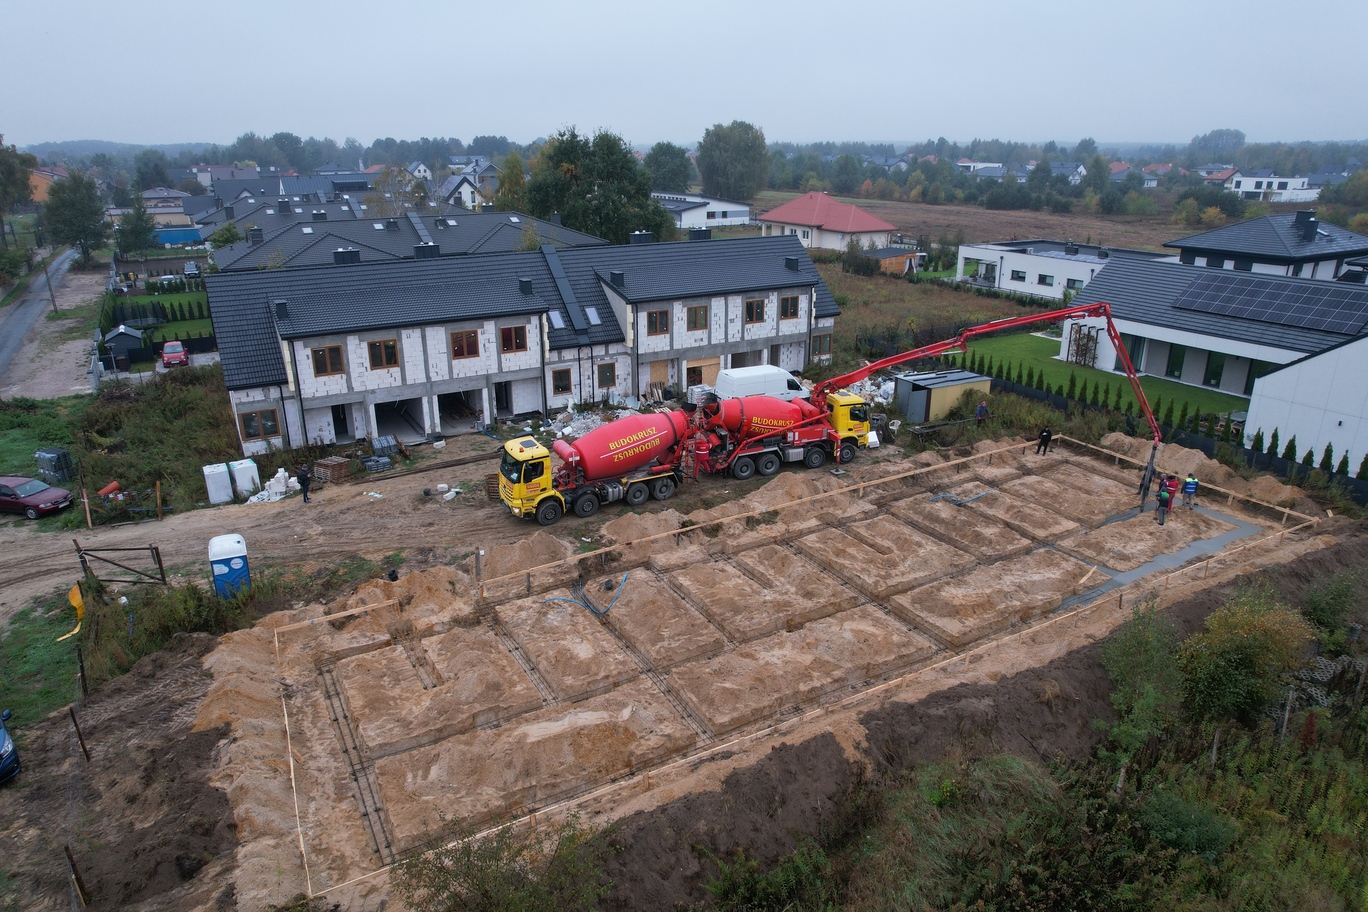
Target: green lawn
point(39, 672)
point(185, 329)
point(1035, 351)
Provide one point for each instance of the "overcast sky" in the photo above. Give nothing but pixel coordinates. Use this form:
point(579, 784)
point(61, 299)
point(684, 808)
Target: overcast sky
point(150, 71)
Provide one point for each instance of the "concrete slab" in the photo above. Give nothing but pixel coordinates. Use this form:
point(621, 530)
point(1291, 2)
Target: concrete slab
point(760, 679)
point(567, 644)
point(480, 775)
point(1132, 542)
point(883, 556)
point(965, 608)
point(976, 535)
point(660, 624)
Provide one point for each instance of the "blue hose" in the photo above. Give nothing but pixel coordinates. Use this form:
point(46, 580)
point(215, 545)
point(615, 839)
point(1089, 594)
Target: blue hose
point(959, 503)
point(583, 600)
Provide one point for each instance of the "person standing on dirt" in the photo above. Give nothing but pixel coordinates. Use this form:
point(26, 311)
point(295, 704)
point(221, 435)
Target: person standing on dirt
point(1189, 490)
point(1163, 499)
point(1172, 484)
point(304, 480)
point(981, 413)
point(1043, 441)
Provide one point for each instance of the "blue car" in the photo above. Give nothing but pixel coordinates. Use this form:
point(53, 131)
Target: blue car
point(9, 757)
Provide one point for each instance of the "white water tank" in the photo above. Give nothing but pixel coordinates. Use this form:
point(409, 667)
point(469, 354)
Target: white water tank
point(219, 483)
point(246, 479)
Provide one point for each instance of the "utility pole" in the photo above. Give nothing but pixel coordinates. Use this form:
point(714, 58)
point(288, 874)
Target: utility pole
point(51, 293)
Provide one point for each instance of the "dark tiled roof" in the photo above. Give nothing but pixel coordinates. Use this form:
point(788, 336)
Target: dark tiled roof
point(259, 187)
point(244, 329)
point(1276, 236)
point(1146, 291)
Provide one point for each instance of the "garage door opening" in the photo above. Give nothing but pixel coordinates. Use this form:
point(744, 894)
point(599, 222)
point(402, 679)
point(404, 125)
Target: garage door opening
point(461, 413)
point(402, 420)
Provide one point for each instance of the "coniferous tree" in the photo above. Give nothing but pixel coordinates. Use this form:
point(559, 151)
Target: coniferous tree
point(1343, 467)
point(1183, 415)
point(1273, 443)
point(1083, 391)
point(1096, 398)
point(1168, 413)
point(1290, 451)
point(1327, 462)
point(1258, 443)
point(1363, 469)
point(1031, 376)
point(1116, 400)
point(1309, 459)
point(1073, 386)
point(1019, 375)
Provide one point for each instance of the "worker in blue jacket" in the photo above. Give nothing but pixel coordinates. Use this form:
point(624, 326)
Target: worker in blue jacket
point(1189, 490)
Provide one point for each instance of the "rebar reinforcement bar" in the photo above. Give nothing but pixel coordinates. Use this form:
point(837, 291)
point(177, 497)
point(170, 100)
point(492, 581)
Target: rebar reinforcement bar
point(362, 770)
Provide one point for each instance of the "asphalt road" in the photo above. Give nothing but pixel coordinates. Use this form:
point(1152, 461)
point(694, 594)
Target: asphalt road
point(18, 319)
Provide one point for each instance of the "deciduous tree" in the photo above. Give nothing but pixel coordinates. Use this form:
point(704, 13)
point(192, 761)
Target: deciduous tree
point(669, 167)
point(15, 189)
point(512, 193)
point(137, 229)
point(733, 160)
point(226, 234)
point(75, 216)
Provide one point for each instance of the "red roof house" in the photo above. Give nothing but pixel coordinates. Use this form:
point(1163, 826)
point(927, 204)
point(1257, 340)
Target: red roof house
point(820, 221)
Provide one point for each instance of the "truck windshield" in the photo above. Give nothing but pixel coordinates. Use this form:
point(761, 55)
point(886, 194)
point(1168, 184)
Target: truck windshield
point(859, 413)
point(510, 468)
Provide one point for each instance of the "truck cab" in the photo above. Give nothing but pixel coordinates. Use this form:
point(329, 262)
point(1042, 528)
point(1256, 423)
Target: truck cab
point(849, 418)
point(525, 480)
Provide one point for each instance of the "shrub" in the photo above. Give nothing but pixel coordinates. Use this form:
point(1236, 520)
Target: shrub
point(1234, 667)
point(1188, 827)
point(1329, 603)
point(1145, 682)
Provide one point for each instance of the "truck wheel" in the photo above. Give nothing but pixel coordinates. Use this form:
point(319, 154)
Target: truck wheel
point(847, 453)
point(663, 488)
point(549, 511)
point(814, 457)
point(637, 494)
point(767, 464)
point(586, 505)
point(743, 468)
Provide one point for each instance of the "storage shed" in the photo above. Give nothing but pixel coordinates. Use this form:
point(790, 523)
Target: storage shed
point(929, 396)
point(898, 260)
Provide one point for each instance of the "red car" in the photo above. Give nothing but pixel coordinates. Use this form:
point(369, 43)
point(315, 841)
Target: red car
point(174, 353)
point(32, 497)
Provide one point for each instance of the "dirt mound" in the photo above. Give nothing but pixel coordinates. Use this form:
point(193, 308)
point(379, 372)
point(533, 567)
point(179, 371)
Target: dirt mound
point(1177, 460)
point(538, 548)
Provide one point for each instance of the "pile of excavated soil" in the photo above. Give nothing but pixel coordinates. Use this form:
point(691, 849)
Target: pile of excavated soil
point(1177, 460)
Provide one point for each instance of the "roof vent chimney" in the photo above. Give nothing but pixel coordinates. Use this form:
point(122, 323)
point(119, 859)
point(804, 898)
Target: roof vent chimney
point(486, 207)
point(391, 224)
point(1103, 253)
point(525, 286)
point(617, 278)
point(320, 215)
point(343, 256)
point(428, 251)
point(1070, 248)
point(254, 236)
point(1303, 216)
point(791, 263)
point(700, 234)
point(228, 213)
point(641, 237)
point(1308, 229)
point(555, 218)
point(283, 206)
point(282, 309)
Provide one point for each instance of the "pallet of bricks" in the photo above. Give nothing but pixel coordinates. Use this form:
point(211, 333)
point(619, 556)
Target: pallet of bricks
point(332, 469)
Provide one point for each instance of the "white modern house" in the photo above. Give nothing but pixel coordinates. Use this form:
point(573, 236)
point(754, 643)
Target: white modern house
point(693, 210)
point(420, 171)
point(1043, 268)
point(1292, 244)
point(1263, 184)
point(1321, 399)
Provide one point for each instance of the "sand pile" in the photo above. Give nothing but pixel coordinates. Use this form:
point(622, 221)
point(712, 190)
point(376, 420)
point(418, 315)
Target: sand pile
point(1179, 460)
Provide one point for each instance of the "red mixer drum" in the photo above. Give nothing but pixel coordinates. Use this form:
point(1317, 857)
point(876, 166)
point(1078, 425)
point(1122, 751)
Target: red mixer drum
point(624, 445)
point(757, 416)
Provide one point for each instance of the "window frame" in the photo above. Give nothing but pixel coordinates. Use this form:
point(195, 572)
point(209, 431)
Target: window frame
point(519, 334)
point(1073, 284)
point(661, 319)
point(691, 312)
point(327, 351)
point(754, 311)
point(386, 347)
point(1214, 370)
point(256, 415)
point(788, 303)
point(465, 335)
point(1045, 280)
point(556, 388)
point(1182, 351)
point(598, 375)
point(821, 344)
point(1018, 275)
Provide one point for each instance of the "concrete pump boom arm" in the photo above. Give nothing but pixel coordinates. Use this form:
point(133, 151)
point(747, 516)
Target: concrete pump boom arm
point(961, 342)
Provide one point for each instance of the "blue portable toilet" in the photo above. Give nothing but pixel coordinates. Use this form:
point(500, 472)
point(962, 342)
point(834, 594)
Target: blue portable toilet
point(228, 560)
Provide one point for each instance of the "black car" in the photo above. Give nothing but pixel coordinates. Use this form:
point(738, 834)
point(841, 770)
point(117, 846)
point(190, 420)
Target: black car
point(9, 756)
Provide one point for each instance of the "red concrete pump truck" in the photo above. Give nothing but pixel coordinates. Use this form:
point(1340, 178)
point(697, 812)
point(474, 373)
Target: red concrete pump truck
point(643, 456)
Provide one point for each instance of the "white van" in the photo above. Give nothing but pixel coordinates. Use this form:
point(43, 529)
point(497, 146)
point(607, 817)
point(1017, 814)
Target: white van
point(761, 380)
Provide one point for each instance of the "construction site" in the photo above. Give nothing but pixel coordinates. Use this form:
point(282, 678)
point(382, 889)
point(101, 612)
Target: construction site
point(540, 678)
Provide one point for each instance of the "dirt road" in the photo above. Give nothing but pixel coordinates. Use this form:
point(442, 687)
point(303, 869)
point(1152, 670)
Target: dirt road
point(343, 520)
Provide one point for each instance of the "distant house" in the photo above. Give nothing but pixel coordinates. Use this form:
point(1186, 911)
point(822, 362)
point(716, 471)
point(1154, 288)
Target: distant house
point(1074, 171)
point(1147, 181)
point(1218, 178)
point(969, 166)
point(483, 173)
point(692, 210)
point(1263, 184)
point(1041, 268)
point(817, 220)
point(460, 190)
point(420, 171)
point(1211, 168)
point(1290, 245)
point(42, 179)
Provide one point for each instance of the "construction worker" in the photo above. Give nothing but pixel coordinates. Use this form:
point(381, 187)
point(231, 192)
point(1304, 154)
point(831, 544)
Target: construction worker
point(981, 413)
point(1163, 499)
point(1043, 441)
point(1189, 490)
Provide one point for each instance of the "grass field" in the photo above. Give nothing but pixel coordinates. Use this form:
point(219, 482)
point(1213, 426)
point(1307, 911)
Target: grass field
point(1039, 352)
point(40, 672)
point(184, 329)
point(1146, 232)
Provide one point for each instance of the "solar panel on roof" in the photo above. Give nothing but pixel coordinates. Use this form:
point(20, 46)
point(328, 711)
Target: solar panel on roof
point(1310, 305)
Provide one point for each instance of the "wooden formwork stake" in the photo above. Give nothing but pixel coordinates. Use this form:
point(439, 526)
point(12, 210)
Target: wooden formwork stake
point(79, 737)
point(85, 502)
point(80, 671)
point(1215, 740)
point(81, 893)
point(159, 503)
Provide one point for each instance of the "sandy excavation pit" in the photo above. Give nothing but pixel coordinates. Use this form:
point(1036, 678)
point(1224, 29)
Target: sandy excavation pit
point(471, 710)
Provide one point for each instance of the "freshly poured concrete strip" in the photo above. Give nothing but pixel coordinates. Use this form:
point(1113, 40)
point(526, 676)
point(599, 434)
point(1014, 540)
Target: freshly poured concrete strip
point(759, 679)
point(481, 775)
point(965, 608)
point(883, 556)
point(568, 646)
point(1138, 539)
point(658, 623)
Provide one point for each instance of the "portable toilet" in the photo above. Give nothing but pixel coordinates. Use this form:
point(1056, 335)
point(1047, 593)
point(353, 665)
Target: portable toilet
point(246, 479)
point(219, 483)
point(228, 561)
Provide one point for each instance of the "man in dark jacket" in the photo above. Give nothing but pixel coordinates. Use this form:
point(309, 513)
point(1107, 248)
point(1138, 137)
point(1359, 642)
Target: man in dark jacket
point(304, 480)
point(1043, 442)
